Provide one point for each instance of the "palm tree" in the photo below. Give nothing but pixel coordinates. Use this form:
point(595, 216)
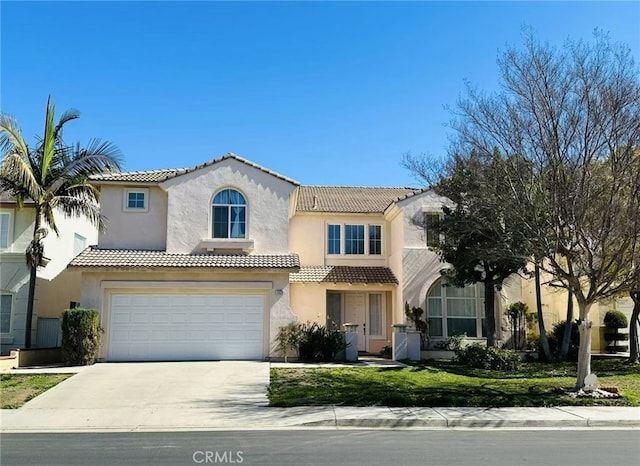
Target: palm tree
point(54, 176)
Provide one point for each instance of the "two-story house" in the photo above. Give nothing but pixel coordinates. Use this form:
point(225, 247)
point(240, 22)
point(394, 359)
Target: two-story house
point(57, 288)
point(208, 262)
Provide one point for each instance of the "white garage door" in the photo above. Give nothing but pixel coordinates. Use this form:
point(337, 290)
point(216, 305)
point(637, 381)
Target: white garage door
point(178, 327)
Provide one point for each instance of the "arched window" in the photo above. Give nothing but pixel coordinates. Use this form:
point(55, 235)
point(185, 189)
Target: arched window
point(229, 215)
point(455, 311)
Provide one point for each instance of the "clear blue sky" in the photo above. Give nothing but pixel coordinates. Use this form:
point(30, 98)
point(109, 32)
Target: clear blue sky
point(326, 93)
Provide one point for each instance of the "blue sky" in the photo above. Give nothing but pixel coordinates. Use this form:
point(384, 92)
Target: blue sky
point(325, 93)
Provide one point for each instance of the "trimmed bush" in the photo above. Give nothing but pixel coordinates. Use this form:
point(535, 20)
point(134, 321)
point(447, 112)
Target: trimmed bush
point(482, 357)
point(319, 344)
point(80, 336)
point(615, 321)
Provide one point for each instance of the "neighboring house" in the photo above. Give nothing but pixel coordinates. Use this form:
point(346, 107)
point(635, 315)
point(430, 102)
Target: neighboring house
point(57, 288)
point(208, 262)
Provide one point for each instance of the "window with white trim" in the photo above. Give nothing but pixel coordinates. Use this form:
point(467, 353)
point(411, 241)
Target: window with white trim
point(333, 239)
point(136, 200)
point(353, 239)
point(452, 310)
point(79, 243)
point(229, 215)
point(376, 315)
point(431, 226)
point(5, 221)
point(6, 312)
point(358, 239)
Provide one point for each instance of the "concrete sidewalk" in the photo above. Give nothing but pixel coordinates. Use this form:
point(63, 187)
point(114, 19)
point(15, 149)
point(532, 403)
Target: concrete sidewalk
point(231, 396)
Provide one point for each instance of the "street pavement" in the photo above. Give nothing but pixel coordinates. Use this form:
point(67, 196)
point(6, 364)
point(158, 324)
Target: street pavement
point(192, 396)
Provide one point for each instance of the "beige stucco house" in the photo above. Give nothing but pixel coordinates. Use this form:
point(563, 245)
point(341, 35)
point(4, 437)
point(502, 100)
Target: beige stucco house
point(57, 288)
point(208, 262)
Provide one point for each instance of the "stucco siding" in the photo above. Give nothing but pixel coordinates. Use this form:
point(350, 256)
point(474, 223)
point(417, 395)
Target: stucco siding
point(95, 292)
point(130, 229)
point(308, 238)
point(189, 206)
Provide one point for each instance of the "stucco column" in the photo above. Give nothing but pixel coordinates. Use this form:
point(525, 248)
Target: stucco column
point(351, 340)
point(399, 342)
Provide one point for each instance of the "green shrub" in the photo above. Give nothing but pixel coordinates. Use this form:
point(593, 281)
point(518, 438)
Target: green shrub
point(386, 352)
point(80, 336)
point(288, 338)
point(482, 357)
point(615, 319)
point(555, 340)
point(319, 344)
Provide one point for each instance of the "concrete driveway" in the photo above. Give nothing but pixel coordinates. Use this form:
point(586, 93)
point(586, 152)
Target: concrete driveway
point(151, 396)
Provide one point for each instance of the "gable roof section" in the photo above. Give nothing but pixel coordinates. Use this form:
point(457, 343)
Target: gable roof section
point(158, 176)
point(95, 257)
point(343, 274)
point(349, 199)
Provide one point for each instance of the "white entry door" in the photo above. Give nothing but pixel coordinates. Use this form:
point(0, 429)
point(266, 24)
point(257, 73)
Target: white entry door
point(355, 313)
point(181, 327)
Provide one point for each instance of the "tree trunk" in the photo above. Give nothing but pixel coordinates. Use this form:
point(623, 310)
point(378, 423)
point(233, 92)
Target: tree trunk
point(584, 353)
point(544, 342)
point(33, 261)
point(566, 337)
point(634, 322)
point(490, 313)
point(30, 300)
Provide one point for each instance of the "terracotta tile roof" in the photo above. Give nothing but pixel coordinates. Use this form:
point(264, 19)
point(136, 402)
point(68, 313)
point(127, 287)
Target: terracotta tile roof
point(349, 199)
point(158, 176)
point(94, 257)
point(342, 274)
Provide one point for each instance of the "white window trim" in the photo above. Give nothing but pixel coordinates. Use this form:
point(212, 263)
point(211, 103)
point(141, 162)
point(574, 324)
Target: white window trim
point(84, 242)
point(343, 240)
point(9, 231)
point(125, 199)
point(479, 300)
point(13, 312)
point(383, 308)
point(246, 215)
point(426, 228)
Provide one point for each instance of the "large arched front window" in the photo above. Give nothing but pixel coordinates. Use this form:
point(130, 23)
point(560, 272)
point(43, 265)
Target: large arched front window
point(229, 215)
point(455, 311)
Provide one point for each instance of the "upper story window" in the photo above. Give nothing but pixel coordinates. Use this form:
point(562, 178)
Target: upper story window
point(455, 311)
point(354, 239)
point(136, 200)
point(229, 215)
point(6, 312)
point(357, 239)
point(79, 243)
point(333, 239)
point(5, 219)
point(431, 225)
point(375, 240)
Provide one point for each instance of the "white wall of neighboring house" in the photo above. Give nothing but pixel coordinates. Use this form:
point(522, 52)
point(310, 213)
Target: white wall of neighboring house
point(56, 287)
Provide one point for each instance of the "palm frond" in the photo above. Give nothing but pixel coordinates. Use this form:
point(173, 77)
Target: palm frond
point(67, 115)
point(73, 206)
point(11, 140)
point(17, 176)
point(48, 142)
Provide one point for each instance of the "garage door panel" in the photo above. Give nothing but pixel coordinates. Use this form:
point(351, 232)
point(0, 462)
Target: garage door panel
point(147, 327)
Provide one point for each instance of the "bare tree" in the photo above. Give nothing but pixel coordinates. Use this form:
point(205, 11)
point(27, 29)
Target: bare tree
point(574, 114)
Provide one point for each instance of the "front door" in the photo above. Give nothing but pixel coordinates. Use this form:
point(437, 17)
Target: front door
point(355, 313)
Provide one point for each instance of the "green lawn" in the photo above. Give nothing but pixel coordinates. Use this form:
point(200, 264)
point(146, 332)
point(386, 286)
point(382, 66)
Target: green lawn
point(17, 389)
point(444, 383)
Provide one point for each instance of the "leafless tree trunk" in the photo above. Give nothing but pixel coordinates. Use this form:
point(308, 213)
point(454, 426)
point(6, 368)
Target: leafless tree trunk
point(634, 323)
point(544, 341)
point(566, 337)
